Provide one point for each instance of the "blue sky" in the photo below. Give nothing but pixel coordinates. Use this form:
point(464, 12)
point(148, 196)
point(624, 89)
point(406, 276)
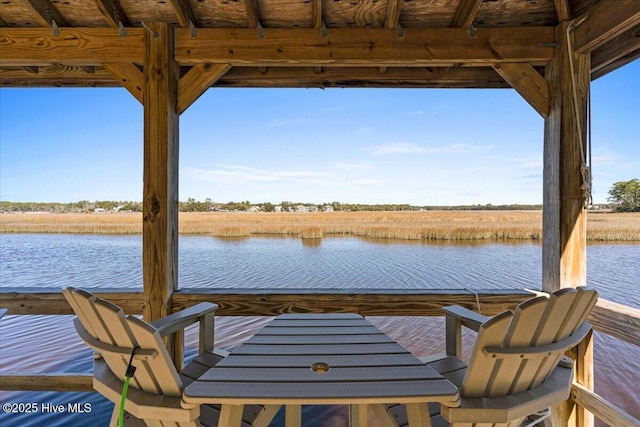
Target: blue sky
point(422, 146)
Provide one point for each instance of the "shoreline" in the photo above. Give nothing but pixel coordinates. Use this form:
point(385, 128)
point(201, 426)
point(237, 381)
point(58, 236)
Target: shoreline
point(399, 225)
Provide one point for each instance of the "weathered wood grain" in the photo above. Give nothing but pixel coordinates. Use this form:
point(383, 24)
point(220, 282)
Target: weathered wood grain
point(603, 409)
point(564, 217)
point(365, 46)
point(74, 46)
point(528, 83)
point(46, 382)
point(197, 81)
point(604, 21)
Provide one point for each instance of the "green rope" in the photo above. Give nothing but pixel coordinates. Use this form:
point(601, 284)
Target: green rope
point(125, 387)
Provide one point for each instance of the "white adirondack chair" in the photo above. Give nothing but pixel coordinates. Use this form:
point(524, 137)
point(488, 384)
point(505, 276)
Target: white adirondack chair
point(517, 367)
point(155, 390)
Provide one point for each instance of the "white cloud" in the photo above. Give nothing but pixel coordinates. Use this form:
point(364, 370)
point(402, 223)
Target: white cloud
point(246, 173)
point(413, 148)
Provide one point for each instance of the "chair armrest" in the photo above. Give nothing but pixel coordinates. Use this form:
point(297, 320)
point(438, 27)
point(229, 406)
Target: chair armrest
point(456, 317)
point(466, 317)
point(183, 318)
point(204, 312)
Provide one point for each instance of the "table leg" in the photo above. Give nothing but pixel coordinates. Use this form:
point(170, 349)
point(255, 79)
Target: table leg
point(358, 415)
point(268, 413)
point(418, 414)
point(230, 415)
point(293, 416)
point(383, 415)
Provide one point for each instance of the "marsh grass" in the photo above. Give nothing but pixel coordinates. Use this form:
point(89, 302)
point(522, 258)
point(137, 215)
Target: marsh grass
point(425, 226)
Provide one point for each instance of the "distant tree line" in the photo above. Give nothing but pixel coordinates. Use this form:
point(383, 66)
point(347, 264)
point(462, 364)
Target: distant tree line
point(193, 205)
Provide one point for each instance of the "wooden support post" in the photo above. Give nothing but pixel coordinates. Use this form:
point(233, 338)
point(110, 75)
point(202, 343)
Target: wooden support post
point(564, 237)
point(564, 216)
point(160, 199)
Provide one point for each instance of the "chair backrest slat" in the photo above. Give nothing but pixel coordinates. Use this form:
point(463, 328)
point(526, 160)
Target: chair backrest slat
point(481, 373)
point(82, 304)
point(108, 323)
point(539, 321)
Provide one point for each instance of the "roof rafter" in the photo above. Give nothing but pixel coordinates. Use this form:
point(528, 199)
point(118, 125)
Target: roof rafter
point(604, 21)
point(465, 13)
point(113, 13)
point(563, 10)
point(184, 12)
point(47, 13)
point(253, 13)
point(614, 54)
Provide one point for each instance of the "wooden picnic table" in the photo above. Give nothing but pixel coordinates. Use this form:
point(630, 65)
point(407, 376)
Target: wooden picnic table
point(301, 359)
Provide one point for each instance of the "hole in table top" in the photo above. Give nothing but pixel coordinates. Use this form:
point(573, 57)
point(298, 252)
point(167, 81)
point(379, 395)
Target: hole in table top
point(320, 368)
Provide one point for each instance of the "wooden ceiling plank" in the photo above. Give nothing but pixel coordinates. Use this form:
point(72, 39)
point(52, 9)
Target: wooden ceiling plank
point(562, 10)
point(528, 83)
point(47, 13)
point(184, 12)
point(130, 77)
point(366, 46)
point(113, 12)
point(75, 46)
point(618, 51)
point(603, 22)
point(465, 13)
point(197, 81)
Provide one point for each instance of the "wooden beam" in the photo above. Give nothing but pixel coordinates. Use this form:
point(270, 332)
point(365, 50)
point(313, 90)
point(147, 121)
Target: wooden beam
point(46, 13)
point(584, 375)
point(562, 10)
point(298, 47)
point(465, 13)
point(160, 179)
point(623, 49)
point(56, 76)
point(617, 320)
point(184, 12)
point(416, 77)
point(197, 81)
point(564, 217)
point(113, 13)
point(366, 46)
point(271, 302)
point(130, 77)
point(46, 382)
point(528, 83)
point(74, 46)
point(603, 22)
point(160, 199)
point(602, 408)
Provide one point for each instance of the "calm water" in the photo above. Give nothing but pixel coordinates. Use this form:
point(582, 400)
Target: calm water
point(48, 343)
